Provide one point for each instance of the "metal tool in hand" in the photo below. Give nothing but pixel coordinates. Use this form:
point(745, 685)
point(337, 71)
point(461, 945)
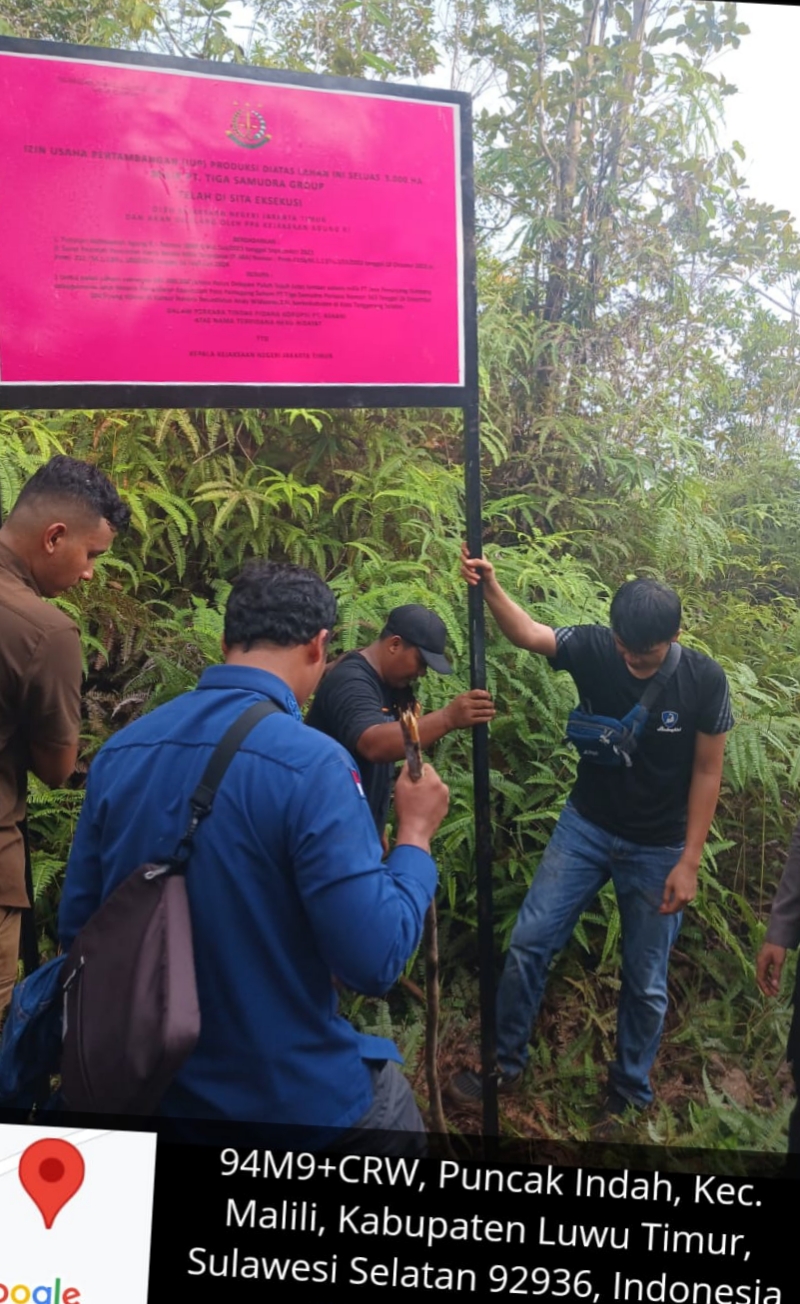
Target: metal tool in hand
point(408, 723)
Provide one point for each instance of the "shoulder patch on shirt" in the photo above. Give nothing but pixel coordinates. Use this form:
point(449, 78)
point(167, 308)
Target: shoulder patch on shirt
point(357, 782)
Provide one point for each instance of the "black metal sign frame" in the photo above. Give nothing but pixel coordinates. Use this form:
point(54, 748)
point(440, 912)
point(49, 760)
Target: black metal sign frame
point(40, 395)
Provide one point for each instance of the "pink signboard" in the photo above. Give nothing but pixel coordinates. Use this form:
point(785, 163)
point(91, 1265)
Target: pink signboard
point(163, 226)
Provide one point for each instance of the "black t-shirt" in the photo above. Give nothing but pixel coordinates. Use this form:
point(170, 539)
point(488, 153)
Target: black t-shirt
point(352, 697)
point(646, 803)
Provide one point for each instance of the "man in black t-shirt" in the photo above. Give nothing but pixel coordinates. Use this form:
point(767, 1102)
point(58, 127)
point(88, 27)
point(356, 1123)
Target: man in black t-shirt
point(642, 825)
point(363, 693)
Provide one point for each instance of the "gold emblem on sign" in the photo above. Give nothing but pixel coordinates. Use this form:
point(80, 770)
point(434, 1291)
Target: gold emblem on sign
point(248, 127)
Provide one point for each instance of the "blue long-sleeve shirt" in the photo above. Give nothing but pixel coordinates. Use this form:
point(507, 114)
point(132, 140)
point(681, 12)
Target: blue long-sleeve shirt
point(286, 888)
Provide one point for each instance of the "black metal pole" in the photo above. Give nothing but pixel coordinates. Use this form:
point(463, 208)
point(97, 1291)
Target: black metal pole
point(480, 776)
point(477, 641)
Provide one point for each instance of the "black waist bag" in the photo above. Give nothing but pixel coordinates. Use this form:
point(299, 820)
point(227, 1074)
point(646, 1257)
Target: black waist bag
point(130, 1010)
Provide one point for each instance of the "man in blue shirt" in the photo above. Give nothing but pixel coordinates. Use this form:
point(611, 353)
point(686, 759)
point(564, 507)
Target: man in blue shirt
point(286, 883)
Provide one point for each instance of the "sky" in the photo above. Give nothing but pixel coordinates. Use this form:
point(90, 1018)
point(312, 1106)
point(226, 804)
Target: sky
point(763, 114)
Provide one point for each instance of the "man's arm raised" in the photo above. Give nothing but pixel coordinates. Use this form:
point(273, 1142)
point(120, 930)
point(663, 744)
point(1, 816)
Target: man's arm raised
point(515, 623)
point(384, 742)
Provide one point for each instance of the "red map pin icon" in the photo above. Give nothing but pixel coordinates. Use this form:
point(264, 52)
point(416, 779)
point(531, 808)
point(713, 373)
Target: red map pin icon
point(51, 1172)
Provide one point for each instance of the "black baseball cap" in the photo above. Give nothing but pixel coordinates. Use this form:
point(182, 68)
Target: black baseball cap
point(425, 631)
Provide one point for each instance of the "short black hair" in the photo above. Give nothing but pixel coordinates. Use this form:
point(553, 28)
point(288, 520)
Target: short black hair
point(643, 613)
point(274, 603)
point(79, 482)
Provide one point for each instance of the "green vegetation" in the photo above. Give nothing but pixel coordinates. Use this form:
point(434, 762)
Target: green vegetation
point(640, 396)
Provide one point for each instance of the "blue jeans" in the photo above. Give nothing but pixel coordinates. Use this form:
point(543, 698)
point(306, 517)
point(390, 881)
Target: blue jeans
point(578, 860)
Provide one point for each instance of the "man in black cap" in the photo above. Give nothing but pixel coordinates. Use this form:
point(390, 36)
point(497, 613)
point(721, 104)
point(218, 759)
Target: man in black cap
point(360, 699)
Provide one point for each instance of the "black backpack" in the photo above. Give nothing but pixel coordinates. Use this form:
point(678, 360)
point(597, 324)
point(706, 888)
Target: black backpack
point(130, 1009)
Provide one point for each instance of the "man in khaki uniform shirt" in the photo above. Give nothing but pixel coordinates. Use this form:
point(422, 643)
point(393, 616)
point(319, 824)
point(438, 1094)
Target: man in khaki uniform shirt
point(65, 517)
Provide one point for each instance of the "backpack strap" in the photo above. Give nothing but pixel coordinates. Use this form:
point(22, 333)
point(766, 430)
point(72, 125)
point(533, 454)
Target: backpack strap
point(203, 795)
point(665, 672)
